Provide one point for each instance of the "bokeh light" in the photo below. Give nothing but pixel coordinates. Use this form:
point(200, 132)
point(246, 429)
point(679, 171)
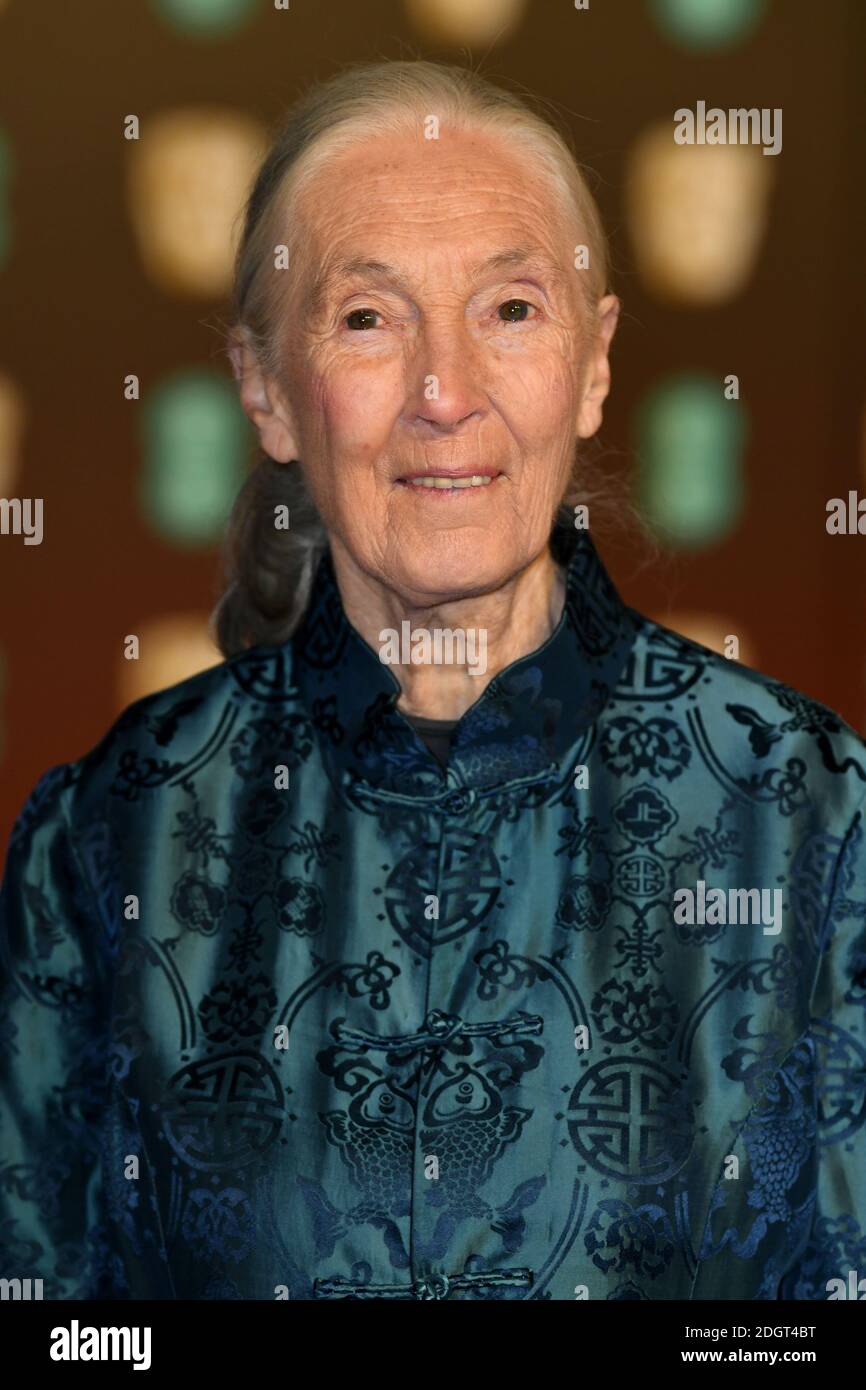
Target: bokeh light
point(206, 18)
point(195, 443)
point(12, 416)
point(465, 21)
point(707, 24)
point(697, 215)
point(171, 648)
point(689, 448)
point(189, 175)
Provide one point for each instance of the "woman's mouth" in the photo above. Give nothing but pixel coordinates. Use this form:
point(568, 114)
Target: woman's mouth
point(432, 482)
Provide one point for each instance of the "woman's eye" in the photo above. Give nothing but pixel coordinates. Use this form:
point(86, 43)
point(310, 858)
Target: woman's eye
point(512, 305)
point(366, 314)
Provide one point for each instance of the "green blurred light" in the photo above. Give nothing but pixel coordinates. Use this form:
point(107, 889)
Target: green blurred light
point(690, 445)
point(5, 220)
point(195, 441)
point(707, 23)
point(206, 18)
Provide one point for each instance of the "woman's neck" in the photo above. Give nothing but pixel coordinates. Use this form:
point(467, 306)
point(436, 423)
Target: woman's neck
point(487, 632)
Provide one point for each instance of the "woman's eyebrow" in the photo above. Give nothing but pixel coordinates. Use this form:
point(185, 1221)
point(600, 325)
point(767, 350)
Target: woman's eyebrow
point(529, 258)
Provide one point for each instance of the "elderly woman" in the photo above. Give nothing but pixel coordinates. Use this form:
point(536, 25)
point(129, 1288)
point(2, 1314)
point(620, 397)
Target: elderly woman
point(464, 934)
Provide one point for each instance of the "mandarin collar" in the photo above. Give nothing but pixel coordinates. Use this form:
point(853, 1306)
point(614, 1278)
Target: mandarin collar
point(520, 729)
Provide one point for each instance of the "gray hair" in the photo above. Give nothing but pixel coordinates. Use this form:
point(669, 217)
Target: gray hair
point(269, 572)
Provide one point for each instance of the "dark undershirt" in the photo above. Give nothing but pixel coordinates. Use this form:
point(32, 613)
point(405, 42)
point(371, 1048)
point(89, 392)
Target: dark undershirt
point(436, 733)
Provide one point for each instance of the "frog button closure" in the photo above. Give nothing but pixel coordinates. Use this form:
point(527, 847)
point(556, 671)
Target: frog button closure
point(458, 802)
point(433, 1286)
point(443, 1026)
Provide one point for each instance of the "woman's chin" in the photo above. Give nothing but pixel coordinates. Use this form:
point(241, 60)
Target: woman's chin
point(433, 572)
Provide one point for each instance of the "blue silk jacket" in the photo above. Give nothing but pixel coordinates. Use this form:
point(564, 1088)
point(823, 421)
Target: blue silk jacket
point(291, 1011)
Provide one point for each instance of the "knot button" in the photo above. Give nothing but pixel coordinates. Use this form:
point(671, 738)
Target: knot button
point(457, 803)
point(443, 1026)
point(434, 1286)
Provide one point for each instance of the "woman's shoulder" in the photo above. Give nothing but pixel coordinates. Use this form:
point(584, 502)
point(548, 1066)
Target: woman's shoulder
point(169, 736)
point(756, 730)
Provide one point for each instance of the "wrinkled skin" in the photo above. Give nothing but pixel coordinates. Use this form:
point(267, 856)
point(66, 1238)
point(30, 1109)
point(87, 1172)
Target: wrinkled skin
point(521, 368)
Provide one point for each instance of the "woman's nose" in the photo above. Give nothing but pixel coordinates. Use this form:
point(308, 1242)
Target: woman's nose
point(447, 376)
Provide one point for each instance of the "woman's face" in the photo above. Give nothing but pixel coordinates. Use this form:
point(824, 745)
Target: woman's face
point(437, 327)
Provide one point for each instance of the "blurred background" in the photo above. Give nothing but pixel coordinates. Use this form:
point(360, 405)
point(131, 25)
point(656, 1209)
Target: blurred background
point(737, 404)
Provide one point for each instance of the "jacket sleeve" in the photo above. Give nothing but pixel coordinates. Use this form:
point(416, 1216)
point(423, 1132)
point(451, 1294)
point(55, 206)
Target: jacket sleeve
point(833, 1262)
point(53, 1057)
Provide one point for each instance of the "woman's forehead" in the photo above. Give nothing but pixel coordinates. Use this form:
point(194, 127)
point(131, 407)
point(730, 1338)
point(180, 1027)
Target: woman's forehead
point(405, 178)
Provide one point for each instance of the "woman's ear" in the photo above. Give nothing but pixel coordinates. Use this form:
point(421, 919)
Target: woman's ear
point(597, 381)
point(262, 401)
